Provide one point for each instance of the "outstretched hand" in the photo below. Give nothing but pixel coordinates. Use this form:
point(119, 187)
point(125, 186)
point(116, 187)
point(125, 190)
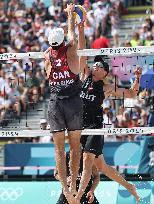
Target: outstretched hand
point(138, 72)
point(70, 8)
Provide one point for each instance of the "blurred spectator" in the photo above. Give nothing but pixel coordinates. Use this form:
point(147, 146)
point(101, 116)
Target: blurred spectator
point(35, 139)
point(127, 43)
point(143, 119)
point(109, 120)
point(32, 83)
point(149, 39)
point(152, 16)
point(23, 92)
point(44, 126)
point(100, 42)
point(65, 27)
point(91, 18)
point(115, 21)
point(52, 9)
point(100, 14)
point(16, 141)
point(89, 33)
point(87, 4)
point(41, 80)
point(149, 22)
point(49, 25)
point(143, 32)
point(126, 116)
point(106, 119)
point(134, 121)
point(135, 40)
point(5, 104)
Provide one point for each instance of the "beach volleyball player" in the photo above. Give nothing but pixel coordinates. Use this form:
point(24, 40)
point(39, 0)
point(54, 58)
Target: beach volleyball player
point(65, 105)
point(94, 91)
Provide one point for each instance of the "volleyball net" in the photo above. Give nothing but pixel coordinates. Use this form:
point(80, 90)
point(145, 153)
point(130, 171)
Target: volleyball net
point(121, 51)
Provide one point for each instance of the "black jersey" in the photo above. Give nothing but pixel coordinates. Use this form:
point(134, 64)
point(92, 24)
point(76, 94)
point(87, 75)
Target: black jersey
point(93, 95)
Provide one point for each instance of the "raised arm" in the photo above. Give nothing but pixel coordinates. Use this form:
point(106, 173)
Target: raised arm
point(81, 37)
point(111, 90)
point(47, 63)
point(71, 25)
point(82, 45)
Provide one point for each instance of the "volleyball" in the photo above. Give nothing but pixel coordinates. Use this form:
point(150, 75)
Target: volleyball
point(79, 14)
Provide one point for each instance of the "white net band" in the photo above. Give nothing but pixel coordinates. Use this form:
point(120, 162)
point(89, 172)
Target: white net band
point(104, 131)
point(121, 51)
point(50, 167)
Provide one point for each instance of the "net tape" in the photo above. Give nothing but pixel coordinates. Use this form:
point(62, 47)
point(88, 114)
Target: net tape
point(121, 51)
point(50, 167)
point(104, 131)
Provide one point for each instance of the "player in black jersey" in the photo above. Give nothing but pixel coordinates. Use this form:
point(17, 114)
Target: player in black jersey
point(88, 196)
point(94, 91)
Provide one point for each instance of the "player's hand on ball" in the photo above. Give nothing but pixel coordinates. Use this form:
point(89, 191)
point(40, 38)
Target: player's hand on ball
point(70, 8)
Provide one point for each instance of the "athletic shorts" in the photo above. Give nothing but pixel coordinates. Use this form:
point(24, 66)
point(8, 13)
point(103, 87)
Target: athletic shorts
point(84, 200)
point(93, 144)
point(65, 113)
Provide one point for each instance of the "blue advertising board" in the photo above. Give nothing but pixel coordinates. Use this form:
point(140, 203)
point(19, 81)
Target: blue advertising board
point(115, 153)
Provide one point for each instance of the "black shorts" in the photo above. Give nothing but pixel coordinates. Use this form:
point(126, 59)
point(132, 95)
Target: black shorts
point(66, 113)
point(84, 200)
point(92, 143)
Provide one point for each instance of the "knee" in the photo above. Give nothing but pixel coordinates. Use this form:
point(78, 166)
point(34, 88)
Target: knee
point(59, 141)
point(75, 144)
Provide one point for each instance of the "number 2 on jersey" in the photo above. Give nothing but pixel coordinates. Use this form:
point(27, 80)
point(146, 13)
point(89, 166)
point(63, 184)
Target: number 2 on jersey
point(58, 61)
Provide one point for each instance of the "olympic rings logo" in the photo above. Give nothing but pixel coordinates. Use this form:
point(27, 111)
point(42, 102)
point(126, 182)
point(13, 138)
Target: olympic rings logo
point(10, 193)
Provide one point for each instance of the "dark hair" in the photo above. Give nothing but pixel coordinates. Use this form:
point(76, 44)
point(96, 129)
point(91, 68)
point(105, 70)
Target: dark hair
point(57, 47)
point(98, 58)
